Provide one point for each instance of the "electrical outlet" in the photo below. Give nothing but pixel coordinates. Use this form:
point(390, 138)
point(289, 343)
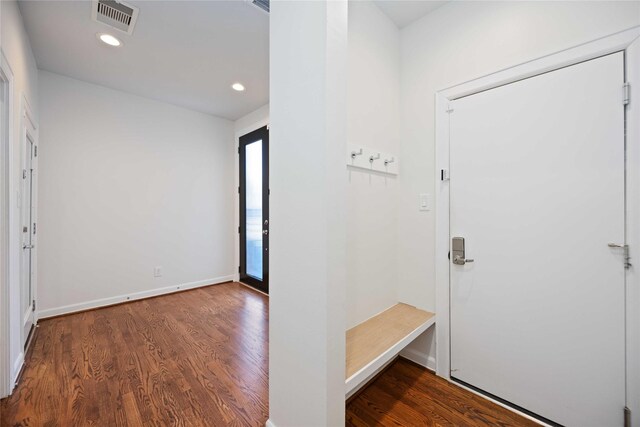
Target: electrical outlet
point(157, 271)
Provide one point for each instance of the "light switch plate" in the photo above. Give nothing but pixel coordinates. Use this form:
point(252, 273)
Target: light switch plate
point(425, 202)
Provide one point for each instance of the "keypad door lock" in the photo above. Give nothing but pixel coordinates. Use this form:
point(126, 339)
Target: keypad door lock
point(458, 252)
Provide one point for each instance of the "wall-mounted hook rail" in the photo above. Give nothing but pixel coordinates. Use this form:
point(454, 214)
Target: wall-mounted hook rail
point(362, 157)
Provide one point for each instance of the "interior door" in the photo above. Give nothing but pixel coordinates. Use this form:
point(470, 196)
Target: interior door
point(538, 194)
point(27, 231)
point(254, 209)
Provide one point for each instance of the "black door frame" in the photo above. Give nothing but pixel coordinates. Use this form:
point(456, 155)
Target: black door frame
point(256, 135)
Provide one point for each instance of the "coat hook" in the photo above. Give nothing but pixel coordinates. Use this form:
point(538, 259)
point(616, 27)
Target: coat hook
point(387, 161)
point(356, 153)
point(371, 158)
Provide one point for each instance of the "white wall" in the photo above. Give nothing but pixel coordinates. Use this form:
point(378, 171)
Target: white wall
point(373, 119)
point(308, 176)
point(458, 42)
point(373, 116)
point(15, 45)
point(127, 184)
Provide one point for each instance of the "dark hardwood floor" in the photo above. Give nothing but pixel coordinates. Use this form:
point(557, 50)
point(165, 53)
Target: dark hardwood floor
point(408, 395)
point(194, 358)
point(200, 358)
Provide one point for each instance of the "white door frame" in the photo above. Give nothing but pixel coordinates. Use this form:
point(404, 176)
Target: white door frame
point(6, 75)
point(628, 41)
point(29, 131)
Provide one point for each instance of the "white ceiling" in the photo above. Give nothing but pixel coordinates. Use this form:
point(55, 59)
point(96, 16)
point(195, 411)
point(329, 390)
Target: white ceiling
point(186, 52)
point(404, 12)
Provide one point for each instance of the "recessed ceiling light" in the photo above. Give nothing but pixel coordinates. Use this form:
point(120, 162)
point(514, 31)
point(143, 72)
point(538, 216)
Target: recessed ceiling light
point(109, 39)
point(238, 86)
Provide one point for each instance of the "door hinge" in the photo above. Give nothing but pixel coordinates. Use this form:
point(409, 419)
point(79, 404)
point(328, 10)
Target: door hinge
point(24, 174)
point(238, 190)
point(627, 417)
point(627, 255)
point(444, 174)
point(238, 269)
point(33, 305)
point(238, 229)
point(35, 151)
point(34, 228)
point(626, 93)
point(627, 258)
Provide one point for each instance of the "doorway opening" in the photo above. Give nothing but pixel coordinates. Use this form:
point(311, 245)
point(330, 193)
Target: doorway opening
point(254, 209)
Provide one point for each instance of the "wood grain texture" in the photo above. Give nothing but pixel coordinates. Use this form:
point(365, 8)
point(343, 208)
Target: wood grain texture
point(200, 358)
point(370, 339)
point(409, 395)
point(194, 358)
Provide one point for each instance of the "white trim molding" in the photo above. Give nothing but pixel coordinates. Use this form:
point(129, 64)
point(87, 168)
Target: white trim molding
point(28, 131)
point(17, 368)
point(632, 62)
point(6, 75)
point(628, 41)
point(103, 302)
point(419, 357)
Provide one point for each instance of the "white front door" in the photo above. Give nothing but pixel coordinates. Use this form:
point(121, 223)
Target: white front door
point(27, 300)
point(537, 192)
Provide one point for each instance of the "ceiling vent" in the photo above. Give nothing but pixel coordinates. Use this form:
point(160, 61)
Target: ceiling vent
point(262, 4)
point(115, 14)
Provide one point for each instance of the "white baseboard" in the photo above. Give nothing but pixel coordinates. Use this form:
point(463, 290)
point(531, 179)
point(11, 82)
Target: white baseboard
point(419, 357)
point(130, 297)
point(269, 423)
point(15, 373)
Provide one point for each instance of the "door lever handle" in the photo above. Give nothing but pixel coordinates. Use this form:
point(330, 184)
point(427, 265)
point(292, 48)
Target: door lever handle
point(462, 261)
point(616, 245)
point(27, 246)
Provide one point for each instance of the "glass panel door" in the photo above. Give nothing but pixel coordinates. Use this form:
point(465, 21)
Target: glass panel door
point(254, 209)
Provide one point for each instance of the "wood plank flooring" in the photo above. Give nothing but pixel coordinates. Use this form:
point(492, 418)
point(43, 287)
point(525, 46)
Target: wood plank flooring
point(194, 358)
point(408, 395)
point(200, 358)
